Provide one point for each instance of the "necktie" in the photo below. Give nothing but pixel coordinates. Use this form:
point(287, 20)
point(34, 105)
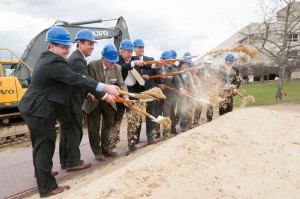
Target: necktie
point(106, 75)
point(137, 76)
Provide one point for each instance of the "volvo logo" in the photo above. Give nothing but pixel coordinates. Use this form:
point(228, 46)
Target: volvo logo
point(100, 33)
point(10, 91)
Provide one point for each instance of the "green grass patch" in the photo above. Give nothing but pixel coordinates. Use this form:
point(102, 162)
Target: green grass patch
point(265, 93)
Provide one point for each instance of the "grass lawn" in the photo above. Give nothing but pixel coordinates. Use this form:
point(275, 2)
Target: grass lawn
point(264, 93)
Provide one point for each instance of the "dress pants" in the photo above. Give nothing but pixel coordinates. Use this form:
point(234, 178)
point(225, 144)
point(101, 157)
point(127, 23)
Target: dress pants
point(43, 137)
point(151, 125)
point(228, 107)
point(70, 138)
point(169, 106)
point(101, 142)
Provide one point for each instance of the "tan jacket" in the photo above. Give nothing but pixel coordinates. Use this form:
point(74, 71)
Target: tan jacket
point(96, 71)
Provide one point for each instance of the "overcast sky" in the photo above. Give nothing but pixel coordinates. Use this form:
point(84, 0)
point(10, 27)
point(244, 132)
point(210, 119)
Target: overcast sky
point(195, 26)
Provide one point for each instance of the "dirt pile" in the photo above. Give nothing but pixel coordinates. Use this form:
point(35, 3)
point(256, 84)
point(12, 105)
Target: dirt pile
point(248, 153)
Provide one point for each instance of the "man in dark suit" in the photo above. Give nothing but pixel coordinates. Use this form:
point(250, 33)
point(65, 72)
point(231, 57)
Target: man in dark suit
point(231, 80)
point(169, 104)
point(130, 64)
point(71, 130)
point(151, 126)
point(46, 100)
point(103, 70)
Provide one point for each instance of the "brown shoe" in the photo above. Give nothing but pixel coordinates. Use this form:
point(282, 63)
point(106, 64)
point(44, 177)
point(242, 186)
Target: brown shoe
point(100, 157)
point(79, 167)
point(56, 191)
point(110, 154)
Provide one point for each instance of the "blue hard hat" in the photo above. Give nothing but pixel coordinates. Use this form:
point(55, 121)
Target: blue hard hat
point(110, 53)
point(138, 43)
point(230, 57)
point(126, 44)
point(85, 34)
point(59, 35)
point(187, 54)
point(191, 63)
point(184, 61)
point(166, 55)
point(174, 54)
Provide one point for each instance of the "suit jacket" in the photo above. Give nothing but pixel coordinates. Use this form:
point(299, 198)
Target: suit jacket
point(147, 70)
point(47, 95)
point(234, 76)
point(79, 65)
point(171, 81)
point(136, 88)
point(96, 71)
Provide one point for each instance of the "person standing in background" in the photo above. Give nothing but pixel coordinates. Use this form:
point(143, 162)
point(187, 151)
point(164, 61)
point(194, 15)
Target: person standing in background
point(151, 126)
point(231, 79)
point(71, 130)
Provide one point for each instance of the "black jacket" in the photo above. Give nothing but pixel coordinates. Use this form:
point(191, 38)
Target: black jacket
point(49, 91)
point(147, 70)
point(78, 64)
point(136, 88)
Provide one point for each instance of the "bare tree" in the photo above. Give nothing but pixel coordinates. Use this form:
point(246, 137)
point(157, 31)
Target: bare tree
point(274, 37)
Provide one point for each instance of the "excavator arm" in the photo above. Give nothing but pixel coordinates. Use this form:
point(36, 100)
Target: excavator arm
point(38, 45)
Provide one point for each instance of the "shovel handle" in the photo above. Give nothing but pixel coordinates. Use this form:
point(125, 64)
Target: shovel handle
point(239, 94)
point(185, 94)
point(124, 92)
point(163, 60)
point(166, 74)
point(141, 111)
point(119, 99)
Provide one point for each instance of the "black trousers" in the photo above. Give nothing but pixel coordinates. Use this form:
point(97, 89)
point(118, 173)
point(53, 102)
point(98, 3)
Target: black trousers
point(133, 130)
point(151, 125)
point(43, 137)
point(227, 108)
point(101, 141)
point(70, 138)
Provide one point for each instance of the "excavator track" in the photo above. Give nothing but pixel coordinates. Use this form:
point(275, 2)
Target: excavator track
point(15, 133)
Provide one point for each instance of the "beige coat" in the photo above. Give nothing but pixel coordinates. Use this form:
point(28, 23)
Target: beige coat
point(96, 71)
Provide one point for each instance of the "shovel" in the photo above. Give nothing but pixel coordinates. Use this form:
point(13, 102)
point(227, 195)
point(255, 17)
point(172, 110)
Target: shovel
point(202, 100)
point(136, 95)
point(158, 120)
point(247, 98)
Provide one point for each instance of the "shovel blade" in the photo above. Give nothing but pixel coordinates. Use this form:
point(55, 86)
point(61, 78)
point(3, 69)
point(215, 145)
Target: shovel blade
point(159, 119)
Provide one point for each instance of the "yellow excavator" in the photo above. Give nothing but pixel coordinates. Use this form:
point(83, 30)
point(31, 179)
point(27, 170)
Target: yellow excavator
point(11, 89)
point(15, 73)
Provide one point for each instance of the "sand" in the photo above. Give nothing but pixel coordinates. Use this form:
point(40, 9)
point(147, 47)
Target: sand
point(248, 153)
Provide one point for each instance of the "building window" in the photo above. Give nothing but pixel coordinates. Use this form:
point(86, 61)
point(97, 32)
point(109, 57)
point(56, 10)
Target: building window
point(293, 37)
point(293, 54)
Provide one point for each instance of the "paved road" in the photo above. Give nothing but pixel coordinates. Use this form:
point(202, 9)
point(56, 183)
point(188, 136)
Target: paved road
point(16, 169)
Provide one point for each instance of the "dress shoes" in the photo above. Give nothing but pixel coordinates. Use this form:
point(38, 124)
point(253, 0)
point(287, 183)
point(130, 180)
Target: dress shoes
point(110, 154)
point(56, 191)
point(79, 167)
point(100, 157)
